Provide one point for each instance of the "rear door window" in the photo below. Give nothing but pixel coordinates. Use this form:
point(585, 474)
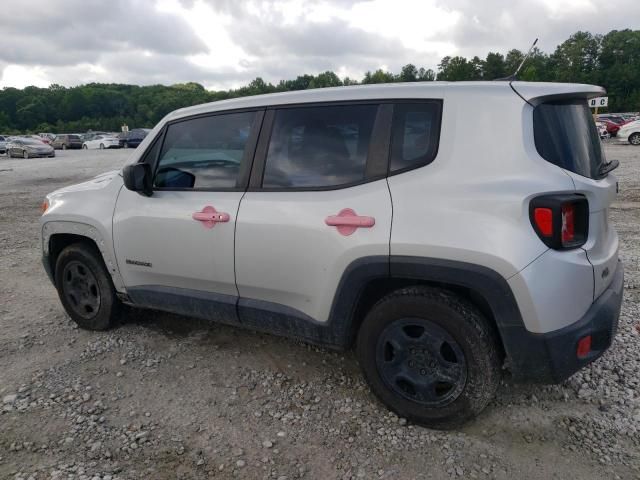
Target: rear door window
point(566, 135)
point(319, 147)
point(205, 152)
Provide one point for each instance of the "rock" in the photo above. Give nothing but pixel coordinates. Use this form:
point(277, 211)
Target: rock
point(267, 444)
point(240, 463)
point(10, 399)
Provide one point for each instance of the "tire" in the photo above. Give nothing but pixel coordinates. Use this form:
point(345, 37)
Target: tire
point(84, 147)
point(64, 146)
point(85, 288)
point(634, 138)
point(102, 146)
point(125, 145)
point(430, 356)
point(25, 154)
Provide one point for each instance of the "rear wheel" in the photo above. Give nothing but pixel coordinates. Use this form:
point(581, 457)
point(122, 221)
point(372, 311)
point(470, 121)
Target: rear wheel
point(84, 147)
point(64, 146)
point(634, 138)
point(85, 288)
point(102, 146)
point(430, 356)
point(25, 154)
point(126, 145)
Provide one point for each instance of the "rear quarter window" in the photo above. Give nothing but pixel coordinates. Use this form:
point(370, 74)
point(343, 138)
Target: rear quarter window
point(566, 135)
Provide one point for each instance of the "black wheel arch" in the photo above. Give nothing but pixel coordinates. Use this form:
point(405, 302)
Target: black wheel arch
point(59, 241)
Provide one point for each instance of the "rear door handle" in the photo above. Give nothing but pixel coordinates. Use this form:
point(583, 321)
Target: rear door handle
point(209, 216)
point(348, 221)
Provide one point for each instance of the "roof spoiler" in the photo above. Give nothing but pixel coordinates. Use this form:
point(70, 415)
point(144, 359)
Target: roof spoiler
point(538, 92)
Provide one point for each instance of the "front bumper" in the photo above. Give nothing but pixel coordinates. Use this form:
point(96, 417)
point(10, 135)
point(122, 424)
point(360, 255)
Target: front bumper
point(551, 357)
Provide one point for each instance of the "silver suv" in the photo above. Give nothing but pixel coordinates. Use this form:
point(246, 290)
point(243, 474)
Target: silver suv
point(388, 218)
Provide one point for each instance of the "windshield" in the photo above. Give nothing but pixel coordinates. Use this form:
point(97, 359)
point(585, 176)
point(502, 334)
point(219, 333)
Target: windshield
point(566, 135)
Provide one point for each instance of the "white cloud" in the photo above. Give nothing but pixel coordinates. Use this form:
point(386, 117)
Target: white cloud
point(226, 43)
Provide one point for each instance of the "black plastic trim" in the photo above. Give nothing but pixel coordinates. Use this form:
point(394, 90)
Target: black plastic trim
point(193, 303)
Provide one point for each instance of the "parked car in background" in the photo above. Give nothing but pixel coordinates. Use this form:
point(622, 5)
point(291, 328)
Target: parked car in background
point(630, 132)
point(67, 140)
point(47, 137)
point(29, 147)
point(3, 144)
point(602, 130)
point(101, 142)
point(132, 138)
point(617, 119)
point(612, 127)
point(39, 139)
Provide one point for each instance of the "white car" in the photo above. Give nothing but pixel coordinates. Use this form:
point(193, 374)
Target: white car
point(384, 218)
point(101, 142)
point(629, 132)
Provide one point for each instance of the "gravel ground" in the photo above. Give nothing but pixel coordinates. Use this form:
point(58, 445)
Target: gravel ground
point(168, 397)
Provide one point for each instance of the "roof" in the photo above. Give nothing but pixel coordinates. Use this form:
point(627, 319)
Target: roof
point(527, 90)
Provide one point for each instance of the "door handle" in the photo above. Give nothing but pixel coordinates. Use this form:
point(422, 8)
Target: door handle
point(347, 221)
point(209, 216)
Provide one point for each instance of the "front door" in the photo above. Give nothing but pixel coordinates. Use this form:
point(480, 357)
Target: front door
point(177, 246)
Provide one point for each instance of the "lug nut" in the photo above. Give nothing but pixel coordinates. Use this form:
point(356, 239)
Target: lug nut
point(423, 372)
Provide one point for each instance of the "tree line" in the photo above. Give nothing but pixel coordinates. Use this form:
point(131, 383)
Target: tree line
point(611, 60)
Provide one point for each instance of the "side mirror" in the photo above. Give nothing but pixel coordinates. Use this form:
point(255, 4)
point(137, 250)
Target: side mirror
point(137, 178)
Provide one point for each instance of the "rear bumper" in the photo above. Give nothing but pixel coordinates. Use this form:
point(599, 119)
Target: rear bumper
point(551, 357)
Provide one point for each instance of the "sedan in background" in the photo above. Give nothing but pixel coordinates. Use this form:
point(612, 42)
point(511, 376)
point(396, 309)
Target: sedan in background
point(3, 144)
point(101, 142)
point(133, 138)
point(630, 132)
point(28, 148)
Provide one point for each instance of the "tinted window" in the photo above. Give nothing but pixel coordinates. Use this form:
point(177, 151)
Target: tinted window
point(416, 131)
point(204, 152)
point(74, 137)
point(566, 135)
point(319, 146)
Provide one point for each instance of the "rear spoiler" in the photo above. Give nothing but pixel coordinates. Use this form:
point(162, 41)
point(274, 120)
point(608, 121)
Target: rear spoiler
point(538, 92)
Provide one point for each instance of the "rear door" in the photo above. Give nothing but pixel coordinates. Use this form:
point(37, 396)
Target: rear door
point(180, 240)
point(318, 201)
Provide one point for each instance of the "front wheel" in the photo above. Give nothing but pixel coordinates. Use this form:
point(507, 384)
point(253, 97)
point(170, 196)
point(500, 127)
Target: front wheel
point(430, 356)
point(634, 138)
point(101, 146)
point(25, 154)
point(64, 147)
point(85, 288)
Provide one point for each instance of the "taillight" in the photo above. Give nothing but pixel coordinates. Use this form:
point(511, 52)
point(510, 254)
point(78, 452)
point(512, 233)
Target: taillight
point(561, 221)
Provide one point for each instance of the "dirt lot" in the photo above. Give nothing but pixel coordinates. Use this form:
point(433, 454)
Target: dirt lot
point(165, 397)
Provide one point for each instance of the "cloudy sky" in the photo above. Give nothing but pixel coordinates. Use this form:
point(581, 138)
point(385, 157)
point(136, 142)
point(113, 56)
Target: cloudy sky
point(226, 43)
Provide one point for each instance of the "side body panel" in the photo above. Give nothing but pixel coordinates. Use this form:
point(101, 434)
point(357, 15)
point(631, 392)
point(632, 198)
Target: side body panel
point(86, 209)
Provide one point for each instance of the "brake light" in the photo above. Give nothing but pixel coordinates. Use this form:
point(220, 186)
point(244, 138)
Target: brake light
point(561, 221)
point(544, 220)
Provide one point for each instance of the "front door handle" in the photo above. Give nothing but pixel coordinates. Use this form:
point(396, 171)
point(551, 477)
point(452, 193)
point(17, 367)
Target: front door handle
point(209, 216)
point(347, 221)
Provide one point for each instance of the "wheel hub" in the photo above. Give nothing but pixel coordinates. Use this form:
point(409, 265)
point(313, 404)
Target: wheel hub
point(421, 362)
point(80, 289)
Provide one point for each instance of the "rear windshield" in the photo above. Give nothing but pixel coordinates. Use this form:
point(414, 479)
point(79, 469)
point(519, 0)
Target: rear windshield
point(566, 135)
point(74, 137)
